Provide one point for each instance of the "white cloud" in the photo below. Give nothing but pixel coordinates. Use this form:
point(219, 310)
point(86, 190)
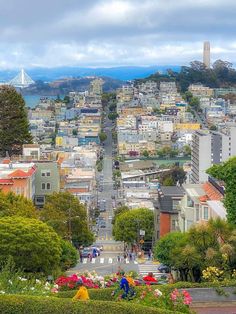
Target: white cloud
point(114, 32)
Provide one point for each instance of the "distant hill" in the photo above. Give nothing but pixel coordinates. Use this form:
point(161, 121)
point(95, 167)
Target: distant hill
point(64, 86)
point(123, 73)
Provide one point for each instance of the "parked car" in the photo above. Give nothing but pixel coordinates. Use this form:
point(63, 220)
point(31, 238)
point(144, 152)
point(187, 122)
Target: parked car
point(86, 252)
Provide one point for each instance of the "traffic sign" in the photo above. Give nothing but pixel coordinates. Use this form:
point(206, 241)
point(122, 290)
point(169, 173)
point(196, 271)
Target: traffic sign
point(141, 241)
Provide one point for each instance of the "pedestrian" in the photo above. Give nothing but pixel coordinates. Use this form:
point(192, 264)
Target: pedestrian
point(133, 256)
point(125, 256)
point(130, 256)
point(124, 285)
point(149, 254)
point(80, 256)
point(82, 293)
point(118, 258)
point(90, 257)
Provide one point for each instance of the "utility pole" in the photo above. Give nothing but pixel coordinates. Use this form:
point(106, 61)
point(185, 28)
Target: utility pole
point(69, 226)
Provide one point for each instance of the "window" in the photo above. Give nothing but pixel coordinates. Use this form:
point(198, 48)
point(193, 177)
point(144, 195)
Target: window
point(205, 213)
point(190, 202)
point(46, 186)
point(45, 173)
point(175, 204)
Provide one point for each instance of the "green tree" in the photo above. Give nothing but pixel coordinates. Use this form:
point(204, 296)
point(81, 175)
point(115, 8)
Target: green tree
point(128, 224)
point(165, 245)
point(113, 115)
point(195, 103)
point(168, 181)
point(69, 255)
point(16, 205)
point(102, 136)
point(187, 150)
point(227, 172)
point(14, 126)
point(145, 153)
point(33, 245)
point(119, 210)
point(68, 217)
point(75, 132)
point(66, 99)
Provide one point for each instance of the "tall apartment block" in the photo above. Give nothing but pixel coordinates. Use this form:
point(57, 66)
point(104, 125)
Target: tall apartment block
point(206, 54)
point(209, 148)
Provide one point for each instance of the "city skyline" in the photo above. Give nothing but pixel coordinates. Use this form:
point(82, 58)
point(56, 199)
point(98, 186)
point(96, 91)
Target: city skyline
point(106, 33)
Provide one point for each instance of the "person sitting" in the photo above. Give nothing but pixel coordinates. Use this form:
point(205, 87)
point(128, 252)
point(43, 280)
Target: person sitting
point(150, 278)
point(82, 293)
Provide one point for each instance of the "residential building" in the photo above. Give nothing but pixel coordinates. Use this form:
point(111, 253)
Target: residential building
point(47, 181)
point(166, 210)
point(209, 148)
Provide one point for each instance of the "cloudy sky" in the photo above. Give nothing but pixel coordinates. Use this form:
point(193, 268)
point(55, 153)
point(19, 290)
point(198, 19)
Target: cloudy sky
point(114, 32)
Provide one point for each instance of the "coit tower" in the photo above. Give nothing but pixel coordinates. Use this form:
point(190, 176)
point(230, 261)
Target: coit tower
point(206, 54)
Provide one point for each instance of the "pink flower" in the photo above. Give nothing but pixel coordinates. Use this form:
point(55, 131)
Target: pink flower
point(54, 290)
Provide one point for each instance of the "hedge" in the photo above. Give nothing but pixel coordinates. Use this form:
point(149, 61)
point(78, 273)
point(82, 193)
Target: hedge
point(18, 304)
point(105, 294)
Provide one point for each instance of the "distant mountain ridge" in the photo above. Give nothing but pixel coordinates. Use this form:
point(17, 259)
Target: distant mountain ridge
point(123, 73)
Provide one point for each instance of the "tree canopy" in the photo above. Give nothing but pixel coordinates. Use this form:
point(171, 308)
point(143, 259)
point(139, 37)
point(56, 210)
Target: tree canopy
point(68, 217)
point(14, 126)
point(16, 205)
point(33, 245)
point(212, 243)
point(128, 223)
point(227, 172)
point(222, 74)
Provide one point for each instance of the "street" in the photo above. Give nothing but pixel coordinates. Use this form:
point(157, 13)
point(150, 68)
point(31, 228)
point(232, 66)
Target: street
point(108, 262)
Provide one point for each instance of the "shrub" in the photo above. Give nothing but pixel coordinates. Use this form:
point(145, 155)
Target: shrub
point(16, 304)
point(32, 244)
point(69, 255)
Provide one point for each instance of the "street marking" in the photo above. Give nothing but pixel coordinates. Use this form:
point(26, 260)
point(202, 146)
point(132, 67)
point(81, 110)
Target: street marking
point(84, 260)
point(93, 260)
point(110, 260)
point(102, 260)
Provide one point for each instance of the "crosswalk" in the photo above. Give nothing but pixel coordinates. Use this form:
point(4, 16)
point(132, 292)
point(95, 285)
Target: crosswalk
point(148, 267)
point(106, 237)
point(107, 260)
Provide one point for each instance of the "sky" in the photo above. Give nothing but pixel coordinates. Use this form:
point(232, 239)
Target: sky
point(106, 33)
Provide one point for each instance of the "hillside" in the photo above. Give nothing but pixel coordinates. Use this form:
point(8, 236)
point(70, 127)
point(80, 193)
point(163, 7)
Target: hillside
point(221, 74)
point(63, 86)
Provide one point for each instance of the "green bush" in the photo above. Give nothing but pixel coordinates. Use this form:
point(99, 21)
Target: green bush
point(69, 255)
point(15, 304)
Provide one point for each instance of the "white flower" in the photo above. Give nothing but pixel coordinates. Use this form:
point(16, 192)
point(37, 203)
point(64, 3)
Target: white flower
point(56, 286)
point(32, 288)
point(47, 288)
point(38, 281)
point(10, 282)
point(22, 279)
point(2, 292)
point(158, 292)
point(47, 284)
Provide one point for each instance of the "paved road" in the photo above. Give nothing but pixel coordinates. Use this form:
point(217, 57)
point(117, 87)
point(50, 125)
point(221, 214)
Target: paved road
point(107, 262)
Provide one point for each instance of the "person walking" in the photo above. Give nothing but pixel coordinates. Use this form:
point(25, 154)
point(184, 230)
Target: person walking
point(130, 256)
point(118, 258)
point(82, 293)
point(124, 285)
point(125, 256)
